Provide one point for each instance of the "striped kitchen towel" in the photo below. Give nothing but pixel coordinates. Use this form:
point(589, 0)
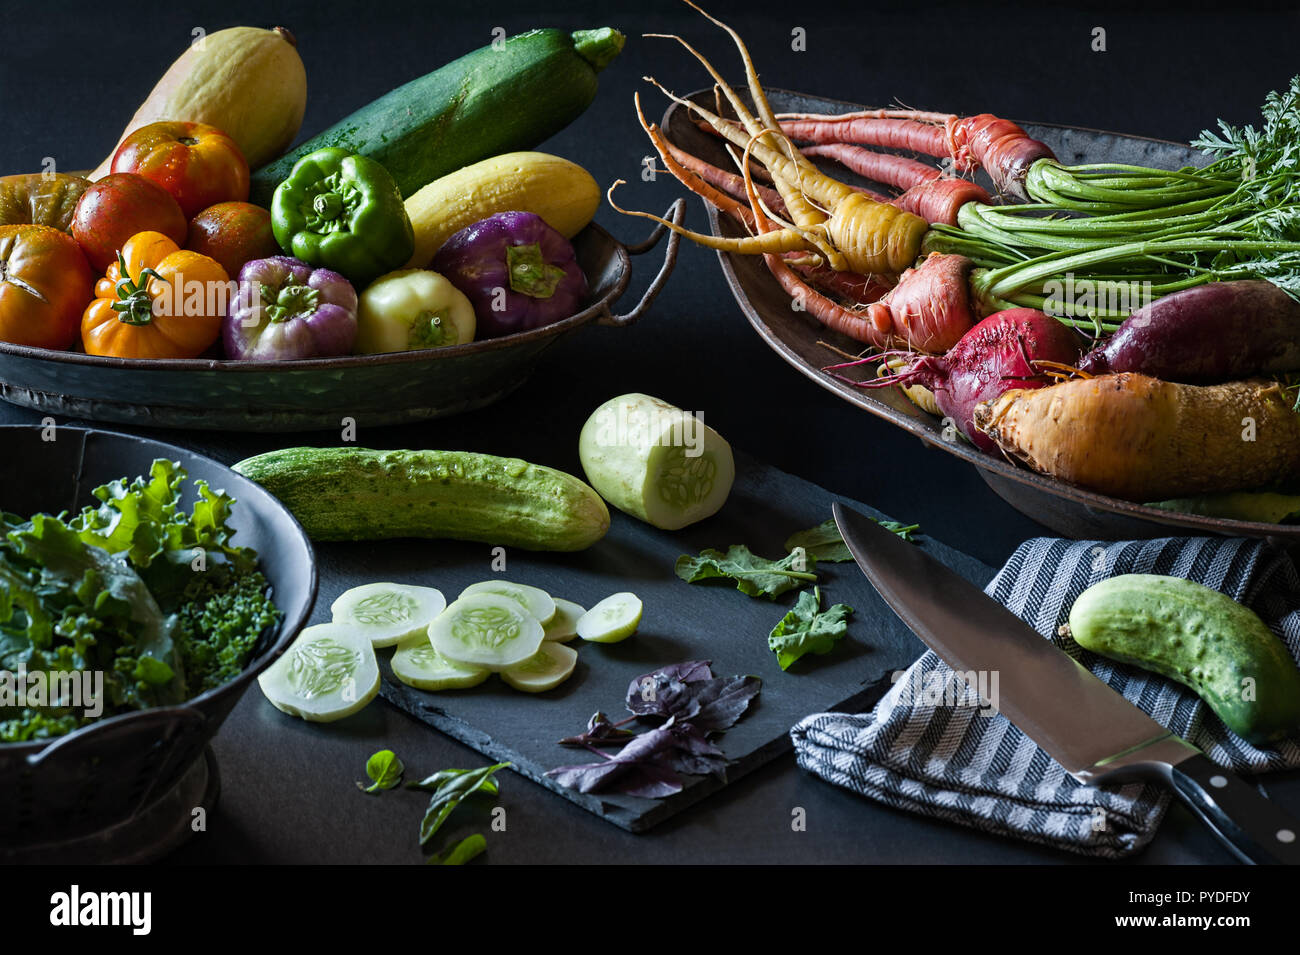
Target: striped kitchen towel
point(926, 747)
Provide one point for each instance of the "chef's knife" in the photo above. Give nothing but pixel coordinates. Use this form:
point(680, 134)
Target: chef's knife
point(1093, 732)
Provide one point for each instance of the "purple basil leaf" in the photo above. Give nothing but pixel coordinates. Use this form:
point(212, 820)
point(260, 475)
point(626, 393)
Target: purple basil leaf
point(600, 732)
point(664, 692)
point(692, 753)
point(634, 770)
point(720, 702)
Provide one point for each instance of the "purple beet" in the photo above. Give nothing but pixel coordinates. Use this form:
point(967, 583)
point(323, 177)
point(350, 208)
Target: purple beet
point(1222, 331)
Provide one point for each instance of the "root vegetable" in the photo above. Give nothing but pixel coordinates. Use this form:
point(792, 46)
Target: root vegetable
point(1005, 351)
point(1142, 439)
point(1209, 333)
point(930, 307)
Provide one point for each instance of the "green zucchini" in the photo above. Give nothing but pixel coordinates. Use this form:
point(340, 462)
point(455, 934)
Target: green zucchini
point(505, 97)
point(1201, 638)
point(358, 494)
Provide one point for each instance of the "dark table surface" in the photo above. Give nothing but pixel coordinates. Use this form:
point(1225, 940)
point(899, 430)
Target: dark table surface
point(1165, 72)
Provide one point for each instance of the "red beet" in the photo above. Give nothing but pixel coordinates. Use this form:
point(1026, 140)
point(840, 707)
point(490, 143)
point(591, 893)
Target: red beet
point(993, 357)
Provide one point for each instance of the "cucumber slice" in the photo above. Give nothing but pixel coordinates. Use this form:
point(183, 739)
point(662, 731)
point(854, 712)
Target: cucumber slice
point(416, 663)
point(654, 461)
point(388, 612)
point(486, 630)
point(564, 625)
point(329, 672)
point(613, 619)
point(545, 670)
point(536, 601)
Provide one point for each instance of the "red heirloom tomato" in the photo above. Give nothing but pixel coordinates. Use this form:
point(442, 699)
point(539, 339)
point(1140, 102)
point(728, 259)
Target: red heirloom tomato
point(233, 233)
point(45, 284)
point(198, 164)
point(116, 208)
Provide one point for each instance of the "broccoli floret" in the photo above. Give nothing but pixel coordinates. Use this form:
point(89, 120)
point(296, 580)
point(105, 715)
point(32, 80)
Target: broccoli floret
point(218, 627)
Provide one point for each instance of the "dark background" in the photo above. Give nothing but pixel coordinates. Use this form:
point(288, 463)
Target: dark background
point(71, 76)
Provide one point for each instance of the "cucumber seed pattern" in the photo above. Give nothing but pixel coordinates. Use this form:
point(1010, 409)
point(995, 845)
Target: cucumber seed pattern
point(384, 608)
point(490, 627)
point(320, 667)
point(686, 480)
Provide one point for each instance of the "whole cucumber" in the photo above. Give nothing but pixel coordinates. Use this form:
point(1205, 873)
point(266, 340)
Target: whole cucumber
point(504, 97)
point(1201, 638)
point(359, 494)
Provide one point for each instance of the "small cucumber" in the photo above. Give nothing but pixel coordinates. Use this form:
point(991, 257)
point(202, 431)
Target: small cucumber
point(388, 612)
point(329, 672)
point(536, 601)
point(486, 630)
point(656, 462)
point(613, 619)
point(358, 494)
point(545, 670)
point(1201, 638)
point(563, 627)
point(416, 663)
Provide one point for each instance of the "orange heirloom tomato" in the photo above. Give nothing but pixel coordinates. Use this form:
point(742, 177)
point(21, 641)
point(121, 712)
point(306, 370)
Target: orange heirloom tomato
point(198, 164)
point(156, 301)
point(45, 283)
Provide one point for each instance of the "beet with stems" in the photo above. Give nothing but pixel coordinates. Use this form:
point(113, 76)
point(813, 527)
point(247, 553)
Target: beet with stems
point(1008, 350)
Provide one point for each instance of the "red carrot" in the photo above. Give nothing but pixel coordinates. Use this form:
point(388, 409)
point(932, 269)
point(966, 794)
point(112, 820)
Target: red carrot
point(939, 199)
point(930, 307)
point(897, 171)
point(889, 133)
point(999, 146)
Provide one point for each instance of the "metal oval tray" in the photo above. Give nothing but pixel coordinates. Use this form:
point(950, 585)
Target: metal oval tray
point(1066, 509)
point(385, 389)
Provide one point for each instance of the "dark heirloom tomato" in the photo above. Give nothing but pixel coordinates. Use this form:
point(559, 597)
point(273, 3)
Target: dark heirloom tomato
point(233, 233)
point(116, 208)
point(198, 164)
point(40, 198)
point(45, 283)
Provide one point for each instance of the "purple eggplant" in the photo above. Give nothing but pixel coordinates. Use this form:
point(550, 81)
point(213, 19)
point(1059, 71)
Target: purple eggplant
point(288, 310)
point(1217, 332)
point(518, 272)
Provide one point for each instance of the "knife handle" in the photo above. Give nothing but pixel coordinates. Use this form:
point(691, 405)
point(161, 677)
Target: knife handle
point(1255, 828)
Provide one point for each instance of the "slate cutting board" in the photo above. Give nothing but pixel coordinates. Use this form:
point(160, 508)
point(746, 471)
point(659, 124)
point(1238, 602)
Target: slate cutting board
point(681, 622)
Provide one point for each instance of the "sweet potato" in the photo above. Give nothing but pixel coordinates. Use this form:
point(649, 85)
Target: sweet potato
point(1143, 439)
point(1223, 331)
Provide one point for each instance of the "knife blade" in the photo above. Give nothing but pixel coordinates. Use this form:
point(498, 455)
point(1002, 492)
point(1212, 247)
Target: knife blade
point(1092, 731)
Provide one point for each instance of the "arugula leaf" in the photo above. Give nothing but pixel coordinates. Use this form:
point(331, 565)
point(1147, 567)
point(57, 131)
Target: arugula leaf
point(807, 629)
point(385, 771)
point(689, 692)
point(449, 787)
point(755, 576)
point(825, 543)
point(468, 848)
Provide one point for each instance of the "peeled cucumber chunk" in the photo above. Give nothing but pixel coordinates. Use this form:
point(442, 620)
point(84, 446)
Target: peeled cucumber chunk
point(329, 672)
point(656, 462)
point(536, 601)
point(388, 612)
point(613, 619)
point(545, 670)
point(564, 625)
point(486, 630)
point(416, 663)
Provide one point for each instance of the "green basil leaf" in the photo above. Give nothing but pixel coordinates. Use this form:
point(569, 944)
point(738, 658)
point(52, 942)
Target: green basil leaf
point(385, 771)
point(449, 787)
point(468, 848)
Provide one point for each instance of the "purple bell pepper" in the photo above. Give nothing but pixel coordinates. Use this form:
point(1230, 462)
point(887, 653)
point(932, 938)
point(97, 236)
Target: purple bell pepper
point(518, 272)
point(288, 310)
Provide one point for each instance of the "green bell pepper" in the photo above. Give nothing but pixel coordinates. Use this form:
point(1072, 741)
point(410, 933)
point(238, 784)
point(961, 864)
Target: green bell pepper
point(343, 212)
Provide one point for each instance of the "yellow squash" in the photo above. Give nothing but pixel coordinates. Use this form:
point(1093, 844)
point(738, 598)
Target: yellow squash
point(562, 193)
point(247, 82)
